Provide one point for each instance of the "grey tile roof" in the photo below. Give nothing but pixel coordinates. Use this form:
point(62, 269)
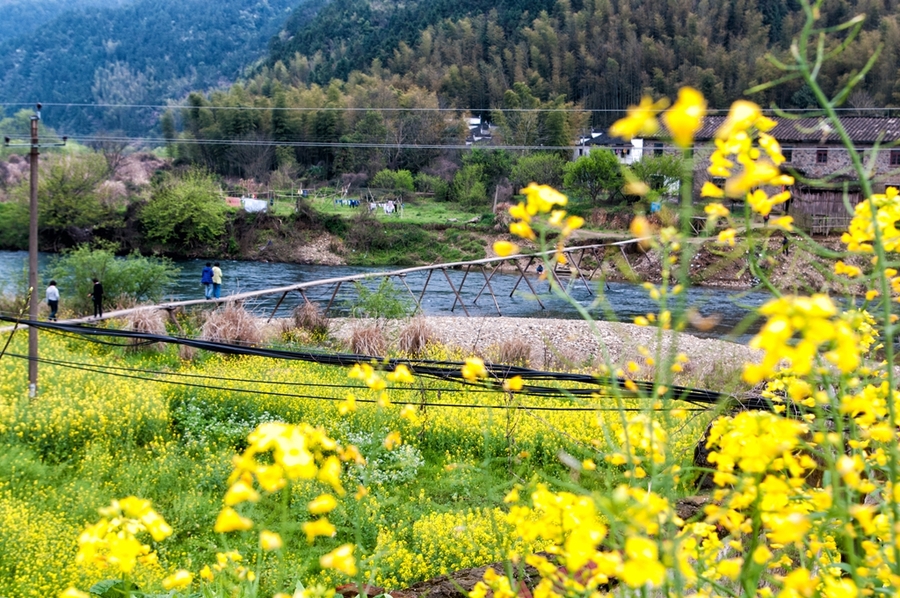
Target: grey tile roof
point(862, 129)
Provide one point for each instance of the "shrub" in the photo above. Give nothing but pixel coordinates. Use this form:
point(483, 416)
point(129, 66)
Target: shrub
point(309, 317)
point(368, 340)
point(514, 351)
point(415, 337)
point(127, 281)
point(231, 324)
point(383, 302)
point(150, 321)
point(398, 180)
point(185, 213)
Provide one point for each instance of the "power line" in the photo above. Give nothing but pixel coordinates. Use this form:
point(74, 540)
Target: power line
point(711, 111)
point(441, 370)
point(104, 370)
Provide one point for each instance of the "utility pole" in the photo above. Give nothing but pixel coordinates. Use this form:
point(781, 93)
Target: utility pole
point(33, 249)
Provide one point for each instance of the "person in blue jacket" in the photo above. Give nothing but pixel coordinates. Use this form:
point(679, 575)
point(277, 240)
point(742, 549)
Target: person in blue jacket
point(206, 279)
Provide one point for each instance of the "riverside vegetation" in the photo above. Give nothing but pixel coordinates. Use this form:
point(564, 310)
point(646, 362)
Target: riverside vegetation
point(272, 495)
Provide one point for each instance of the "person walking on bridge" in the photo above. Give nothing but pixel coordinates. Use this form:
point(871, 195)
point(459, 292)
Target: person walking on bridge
point(206, 279)
point(216, 280)
point(53, 300)
point(97, 296)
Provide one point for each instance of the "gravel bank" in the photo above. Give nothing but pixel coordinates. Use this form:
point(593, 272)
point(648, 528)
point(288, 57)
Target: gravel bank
point(567, 344)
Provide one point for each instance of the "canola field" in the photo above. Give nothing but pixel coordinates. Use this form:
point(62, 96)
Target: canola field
point(108, 423)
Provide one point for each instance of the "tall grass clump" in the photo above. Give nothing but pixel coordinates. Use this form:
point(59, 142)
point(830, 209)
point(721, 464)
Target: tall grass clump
point(415, 337)
point(149, 321)
point(232, 324)
point(309, 317)
point(368, 339)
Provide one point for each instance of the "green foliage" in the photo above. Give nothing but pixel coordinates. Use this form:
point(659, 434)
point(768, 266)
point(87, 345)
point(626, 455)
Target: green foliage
point(663, 173)
point(468, 186)
point(427, 183)
point(185, 212)
point(386, 301)
point(543, 168)
point(593, 174)
point(398, 180)
point(133, 278)
point(496, 164)
point(14, 225)
point(69, 207)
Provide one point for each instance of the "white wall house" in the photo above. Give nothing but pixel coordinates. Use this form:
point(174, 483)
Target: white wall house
point(628, 152)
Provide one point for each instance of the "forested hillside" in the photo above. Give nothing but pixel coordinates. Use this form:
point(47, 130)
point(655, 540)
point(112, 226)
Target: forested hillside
point(22, 17)
point(365, 85)
point(602, 53)
point(140, 53)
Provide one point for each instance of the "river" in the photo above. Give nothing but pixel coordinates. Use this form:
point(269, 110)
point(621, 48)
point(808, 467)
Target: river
point(620, 301)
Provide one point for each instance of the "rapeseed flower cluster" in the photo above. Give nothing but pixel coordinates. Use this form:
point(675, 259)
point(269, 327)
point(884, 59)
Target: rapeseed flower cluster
point(542, 209)
point(744, 139)
point(797, 330)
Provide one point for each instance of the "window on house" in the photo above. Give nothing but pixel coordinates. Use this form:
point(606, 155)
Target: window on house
point(657, 149)
point(895, 157)
point(821, 156)
point(788, 153)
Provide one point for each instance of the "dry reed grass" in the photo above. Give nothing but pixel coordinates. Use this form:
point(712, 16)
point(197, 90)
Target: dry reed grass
point(149, 321)
point(415, 337)
point(514, 351)
point(309, 317)
point(368, 340)
point(232, 324)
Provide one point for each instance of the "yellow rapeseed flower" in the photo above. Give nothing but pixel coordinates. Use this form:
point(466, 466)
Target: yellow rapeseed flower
point(685, 117)
point(473, 369)
point(270, 541)
point(324, 503)
point(230, 520)
point(178, 580)
point(319, 527)
point(505, 248)
point(340, 559)
point(640, 119)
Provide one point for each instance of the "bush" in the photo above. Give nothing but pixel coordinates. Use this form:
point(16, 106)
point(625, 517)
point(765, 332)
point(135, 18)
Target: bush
point(231, 324)
point(132, 279)
point(398, 180)
point(185, 213)
point(415, 337)
point(384, 302)
point(368, 340)
point(149, 321)
point(310, 318)
point(427, 183)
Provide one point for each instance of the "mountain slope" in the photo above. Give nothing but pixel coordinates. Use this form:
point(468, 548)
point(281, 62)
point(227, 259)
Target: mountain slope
point(140, 53)
point(22, 17)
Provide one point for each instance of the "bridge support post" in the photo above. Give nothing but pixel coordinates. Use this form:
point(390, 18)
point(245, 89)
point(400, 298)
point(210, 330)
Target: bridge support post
point(455, 292)
point(277, 305)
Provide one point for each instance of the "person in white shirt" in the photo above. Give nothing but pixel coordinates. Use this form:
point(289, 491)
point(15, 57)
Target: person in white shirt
point(53, 299)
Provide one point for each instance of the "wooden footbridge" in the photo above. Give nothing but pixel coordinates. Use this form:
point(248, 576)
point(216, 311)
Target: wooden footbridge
point(582, 263)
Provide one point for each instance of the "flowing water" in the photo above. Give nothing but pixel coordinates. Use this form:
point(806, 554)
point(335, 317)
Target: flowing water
point(723, 309)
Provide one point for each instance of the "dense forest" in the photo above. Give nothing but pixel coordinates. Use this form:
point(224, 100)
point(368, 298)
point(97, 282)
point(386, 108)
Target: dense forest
point(601, 53)
point(143, 52)
point(353, 87)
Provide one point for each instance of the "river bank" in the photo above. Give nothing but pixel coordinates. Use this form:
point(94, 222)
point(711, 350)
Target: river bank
point(556, 345)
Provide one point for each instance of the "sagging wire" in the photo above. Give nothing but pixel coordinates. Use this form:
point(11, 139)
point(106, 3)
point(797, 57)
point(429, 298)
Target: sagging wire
point(102, 371)
point(442, 370)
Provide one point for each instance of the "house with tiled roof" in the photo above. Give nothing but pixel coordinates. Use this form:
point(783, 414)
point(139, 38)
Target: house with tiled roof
point(628, 152)
point(818, 160)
